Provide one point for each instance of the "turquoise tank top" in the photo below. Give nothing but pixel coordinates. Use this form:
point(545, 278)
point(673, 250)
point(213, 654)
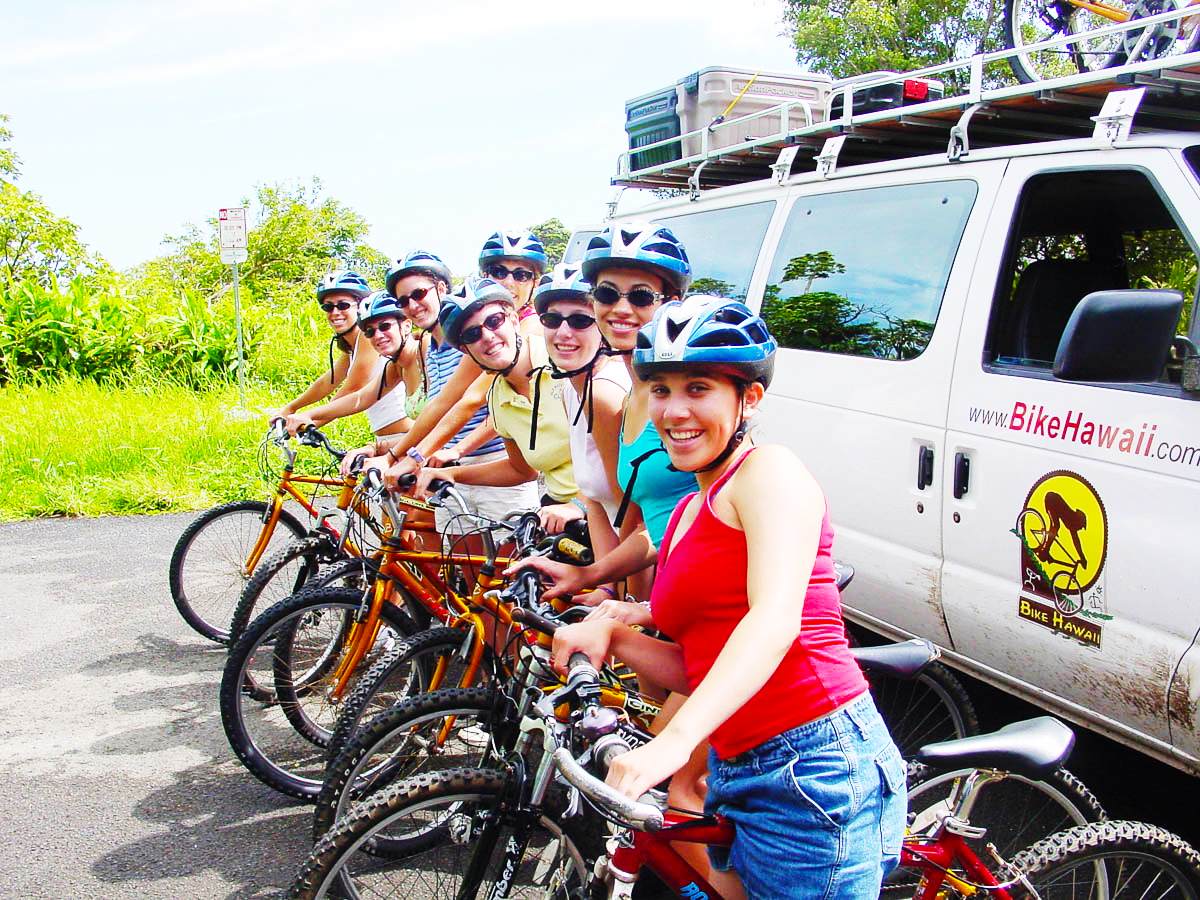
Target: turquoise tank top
point(657, 489)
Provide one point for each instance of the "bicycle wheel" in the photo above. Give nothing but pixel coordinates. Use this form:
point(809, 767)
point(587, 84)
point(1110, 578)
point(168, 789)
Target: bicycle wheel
point(1028, 22)
point(400, 742)
point(296, 646)
point(207, 571)
point(1016, 811)
point(452, 823)
point(281, 574)
point(427, 661)
point(1112, 860)
point(934, 706)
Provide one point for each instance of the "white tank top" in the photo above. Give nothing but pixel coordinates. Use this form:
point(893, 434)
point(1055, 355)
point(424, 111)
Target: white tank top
point(585, 457)
point(390, 407)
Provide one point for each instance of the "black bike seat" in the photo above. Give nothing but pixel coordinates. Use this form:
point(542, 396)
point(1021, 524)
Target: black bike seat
point(1034, 748)
point(904, 660)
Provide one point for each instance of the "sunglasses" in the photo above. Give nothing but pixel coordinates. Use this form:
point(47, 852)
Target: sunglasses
point(576, 321)
point(341, 305)
point(475, 332)
point(385, 326)
point(499, 273)
point(641, 297)
point(418, 294)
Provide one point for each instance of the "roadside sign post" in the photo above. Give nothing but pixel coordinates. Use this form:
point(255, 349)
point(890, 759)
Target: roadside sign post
point(232, 225)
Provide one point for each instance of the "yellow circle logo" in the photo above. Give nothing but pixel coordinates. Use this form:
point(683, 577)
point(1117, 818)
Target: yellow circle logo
point(1064, 529)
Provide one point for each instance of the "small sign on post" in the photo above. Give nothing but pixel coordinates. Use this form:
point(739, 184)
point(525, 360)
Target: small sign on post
point(232, 225)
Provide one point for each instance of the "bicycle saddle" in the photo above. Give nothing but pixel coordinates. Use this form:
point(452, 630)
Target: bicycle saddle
point(904, 660)
point(1034, 748)
point(844, 573)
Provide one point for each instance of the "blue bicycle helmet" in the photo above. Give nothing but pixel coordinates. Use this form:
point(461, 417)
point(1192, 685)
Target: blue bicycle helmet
point(564, 282)
point(343, 281)
point(639, 245)
point(417, 262)
point(378, 305)
point(473, 294)
point(520, 244)
point(706, 331)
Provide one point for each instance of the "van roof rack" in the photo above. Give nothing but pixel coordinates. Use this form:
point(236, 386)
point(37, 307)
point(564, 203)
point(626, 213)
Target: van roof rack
point(974, 118)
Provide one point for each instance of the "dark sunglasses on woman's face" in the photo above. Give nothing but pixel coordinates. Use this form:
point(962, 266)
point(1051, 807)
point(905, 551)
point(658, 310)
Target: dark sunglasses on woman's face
point(475, 332)
point(577, 321)
point(342, 305)
point(385, 326)
point(640, 296)
point(417, 294)
point(499, 273)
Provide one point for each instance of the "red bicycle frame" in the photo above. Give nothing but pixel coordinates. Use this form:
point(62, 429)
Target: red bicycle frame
point(944, 861)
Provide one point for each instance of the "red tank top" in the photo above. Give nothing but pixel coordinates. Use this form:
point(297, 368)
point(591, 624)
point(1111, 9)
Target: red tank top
point(699, 597)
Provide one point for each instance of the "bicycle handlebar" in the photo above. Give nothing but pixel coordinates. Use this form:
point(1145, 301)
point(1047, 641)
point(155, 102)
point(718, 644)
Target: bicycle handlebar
point(311, 436)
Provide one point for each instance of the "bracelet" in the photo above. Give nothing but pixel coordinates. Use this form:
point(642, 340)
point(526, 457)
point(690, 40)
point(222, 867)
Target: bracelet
point(608, 590)
point(391, 454)
point(579, 505)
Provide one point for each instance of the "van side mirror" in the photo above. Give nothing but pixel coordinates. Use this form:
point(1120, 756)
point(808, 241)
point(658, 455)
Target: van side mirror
point(1119, 336)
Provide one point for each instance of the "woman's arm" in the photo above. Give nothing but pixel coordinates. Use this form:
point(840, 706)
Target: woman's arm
point(362, 366)
point(779, 506)
point(410, 364)
point(322, 386)
point(601, 638)
point(499, 473)
point(633, 554)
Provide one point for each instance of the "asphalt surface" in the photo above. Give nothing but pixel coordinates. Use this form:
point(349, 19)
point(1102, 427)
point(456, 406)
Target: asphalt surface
point(117, 779)
point(116, 776)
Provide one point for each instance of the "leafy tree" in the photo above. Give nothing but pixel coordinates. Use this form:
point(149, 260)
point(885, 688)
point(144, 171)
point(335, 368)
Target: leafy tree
point(37, 245)
point(715, 287)
point(300, 236)
point(9, 161)
point(852, 37)
point(812, 266)
point(554, 236)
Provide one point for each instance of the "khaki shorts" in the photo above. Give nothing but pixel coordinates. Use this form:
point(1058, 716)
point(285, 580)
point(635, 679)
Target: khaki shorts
point(488, 502)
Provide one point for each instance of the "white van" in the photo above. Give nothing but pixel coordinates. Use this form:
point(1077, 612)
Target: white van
point(1037, 526)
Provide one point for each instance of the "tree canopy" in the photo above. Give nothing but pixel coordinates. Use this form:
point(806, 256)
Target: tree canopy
point(554, 236)
point(852, 37)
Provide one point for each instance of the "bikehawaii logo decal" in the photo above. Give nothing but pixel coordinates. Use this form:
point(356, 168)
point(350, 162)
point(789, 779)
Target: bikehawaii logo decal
point(1063, 529)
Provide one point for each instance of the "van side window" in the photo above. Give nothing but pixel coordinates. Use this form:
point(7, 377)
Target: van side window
point(863, 272)
point(723, 245)
point(1076, 233)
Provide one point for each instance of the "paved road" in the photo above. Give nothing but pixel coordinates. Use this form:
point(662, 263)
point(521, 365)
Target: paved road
point(117, 778)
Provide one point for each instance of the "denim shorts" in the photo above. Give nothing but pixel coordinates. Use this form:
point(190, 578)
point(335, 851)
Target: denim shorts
point(819, 810)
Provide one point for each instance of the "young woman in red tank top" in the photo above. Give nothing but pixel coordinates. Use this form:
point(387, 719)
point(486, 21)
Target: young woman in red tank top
point(800, 761)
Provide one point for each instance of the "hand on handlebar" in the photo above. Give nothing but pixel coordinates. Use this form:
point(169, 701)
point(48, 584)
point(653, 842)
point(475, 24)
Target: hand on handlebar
point(426, 475)
point(623, 612)
point(589, 638)
point(297, 422)
point(562, 580)
point(394, 471)
point(554, 518)
point(444, 457)
point(351, 455)
point(637, 771)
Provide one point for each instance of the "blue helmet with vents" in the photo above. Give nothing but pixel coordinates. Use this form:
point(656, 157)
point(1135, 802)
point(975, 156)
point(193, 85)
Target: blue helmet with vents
point(417, 262)
point(343, 281)
point(473, 294)
point(377, 306)
point(519, 244)
point(639, 245)
point(564, 282)
point(706, 331)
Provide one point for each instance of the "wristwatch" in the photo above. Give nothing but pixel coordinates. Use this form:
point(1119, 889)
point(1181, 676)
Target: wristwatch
point(416, 454)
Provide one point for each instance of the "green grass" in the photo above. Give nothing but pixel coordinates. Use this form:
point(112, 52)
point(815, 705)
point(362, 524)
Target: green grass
point(76, 448)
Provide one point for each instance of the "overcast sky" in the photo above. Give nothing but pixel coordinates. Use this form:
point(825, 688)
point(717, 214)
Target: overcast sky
point(438, 122)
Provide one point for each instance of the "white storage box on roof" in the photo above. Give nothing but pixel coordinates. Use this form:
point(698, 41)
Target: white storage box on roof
point(706, 94)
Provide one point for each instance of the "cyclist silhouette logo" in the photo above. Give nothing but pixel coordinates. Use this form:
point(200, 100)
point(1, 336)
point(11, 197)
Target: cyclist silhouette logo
point(1063, 529)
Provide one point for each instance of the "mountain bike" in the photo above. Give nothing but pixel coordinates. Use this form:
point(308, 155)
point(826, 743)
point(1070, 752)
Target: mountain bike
point(1028, 22)
point(313, 648)
point(220, 550)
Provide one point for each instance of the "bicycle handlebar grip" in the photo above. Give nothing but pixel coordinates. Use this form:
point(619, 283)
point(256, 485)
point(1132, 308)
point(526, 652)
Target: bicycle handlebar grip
point(537, 622)
point(437, 484)
point(372, 479)
point(574, 551)
point(404, 482)
point(637, 813)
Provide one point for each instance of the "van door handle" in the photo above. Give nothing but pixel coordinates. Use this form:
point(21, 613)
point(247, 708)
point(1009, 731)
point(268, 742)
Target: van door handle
point(924, 467)
point(962, 475)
